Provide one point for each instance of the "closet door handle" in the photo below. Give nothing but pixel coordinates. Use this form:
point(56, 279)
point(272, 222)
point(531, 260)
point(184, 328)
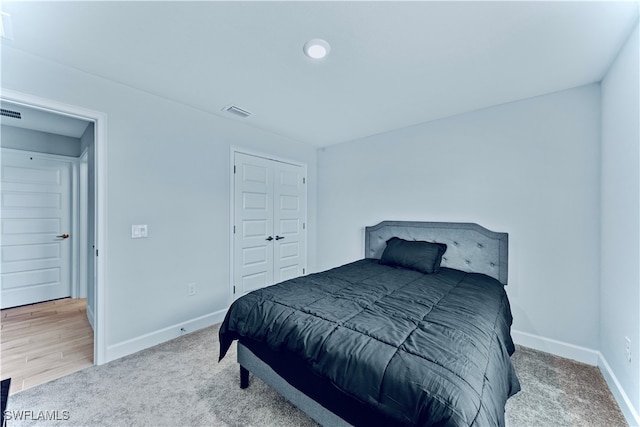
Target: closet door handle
point(63, 236)
point(269, 239)
point(279, 237)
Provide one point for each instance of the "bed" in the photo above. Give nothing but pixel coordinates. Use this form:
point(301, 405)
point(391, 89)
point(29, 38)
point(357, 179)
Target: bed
point(415, 333)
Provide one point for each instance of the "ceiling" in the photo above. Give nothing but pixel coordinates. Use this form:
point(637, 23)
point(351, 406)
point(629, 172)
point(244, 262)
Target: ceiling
point(392, 64)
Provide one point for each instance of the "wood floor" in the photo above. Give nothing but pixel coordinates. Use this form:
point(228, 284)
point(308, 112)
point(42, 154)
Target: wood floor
point(42, 342)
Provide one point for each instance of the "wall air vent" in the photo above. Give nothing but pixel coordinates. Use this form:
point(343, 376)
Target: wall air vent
point(10, 113)
point(237, 111)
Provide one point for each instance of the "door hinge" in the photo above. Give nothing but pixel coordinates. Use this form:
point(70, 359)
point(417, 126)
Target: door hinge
point(96, 252)
point(234, 289)
point(304, 180)
point(234, 168)
point(303, 271)
point(234, 229)
point(304, 225)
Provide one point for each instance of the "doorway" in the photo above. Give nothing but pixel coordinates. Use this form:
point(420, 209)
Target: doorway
point(92, 194)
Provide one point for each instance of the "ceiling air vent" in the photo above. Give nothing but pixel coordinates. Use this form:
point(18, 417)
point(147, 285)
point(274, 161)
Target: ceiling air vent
point(10, 113)
point(237, 111)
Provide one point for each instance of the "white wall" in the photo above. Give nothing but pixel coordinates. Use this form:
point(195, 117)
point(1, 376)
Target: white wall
point(40, 142)
point(529, 168)
point(168, 167)
point(620, 272)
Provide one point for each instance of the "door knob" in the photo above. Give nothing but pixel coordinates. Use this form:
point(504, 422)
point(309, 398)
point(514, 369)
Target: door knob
point(279, 237)
point(269, 239)
point(63, 236)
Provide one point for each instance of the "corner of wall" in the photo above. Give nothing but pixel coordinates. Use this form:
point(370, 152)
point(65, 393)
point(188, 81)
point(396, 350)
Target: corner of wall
point(625, 404)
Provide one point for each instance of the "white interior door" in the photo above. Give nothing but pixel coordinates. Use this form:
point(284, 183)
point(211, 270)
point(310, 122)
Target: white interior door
point(289, 214)
point(253, 248)
point(35, 218)
point(269, 211)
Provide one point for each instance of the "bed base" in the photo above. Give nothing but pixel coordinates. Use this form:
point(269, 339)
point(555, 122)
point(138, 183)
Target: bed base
point(249, 362)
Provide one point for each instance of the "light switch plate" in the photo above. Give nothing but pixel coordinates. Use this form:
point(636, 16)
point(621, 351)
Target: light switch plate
point(139, 231)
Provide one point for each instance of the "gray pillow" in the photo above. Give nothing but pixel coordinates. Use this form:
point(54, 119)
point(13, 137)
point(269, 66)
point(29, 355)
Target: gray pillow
point(416, 255)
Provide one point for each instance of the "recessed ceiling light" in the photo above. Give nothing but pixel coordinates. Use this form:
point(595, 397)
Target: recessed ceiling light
point(316, 48)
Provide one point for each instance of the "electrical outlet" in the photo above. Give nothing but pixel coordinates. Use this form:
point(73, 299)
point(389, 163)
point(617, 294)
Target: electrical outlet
point(139, 231)
point(627, 343)
point(191, 289)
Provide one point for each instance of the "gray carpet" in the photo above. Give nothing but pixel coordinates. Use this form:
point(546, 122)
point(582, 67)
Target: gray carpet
point(180, 383)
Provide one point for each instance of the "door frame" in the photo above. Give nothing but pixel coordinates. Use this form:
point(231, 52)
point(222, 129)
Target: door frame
point(100, 203)
point(82, 165)
point(232, 154)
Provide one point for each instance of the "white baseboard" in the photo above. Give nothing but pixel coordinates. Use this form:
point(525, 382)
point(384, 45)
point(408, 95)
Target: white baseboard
point(632, 416)
point(142, 342)
point(584, 355)
point(559, 348)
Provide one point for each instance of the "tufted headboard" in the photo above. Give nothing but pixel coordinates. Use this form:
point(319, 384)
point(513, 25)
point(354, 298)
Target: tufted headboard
point(470, 247)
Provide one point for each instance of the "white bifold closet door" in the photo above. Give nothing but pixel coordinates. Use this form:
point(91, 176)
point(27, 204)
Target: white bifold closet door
point(269, 222)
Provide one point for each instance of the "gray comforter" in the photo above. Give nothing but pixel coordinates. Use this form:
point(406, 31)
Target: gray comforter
point(423, 349)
